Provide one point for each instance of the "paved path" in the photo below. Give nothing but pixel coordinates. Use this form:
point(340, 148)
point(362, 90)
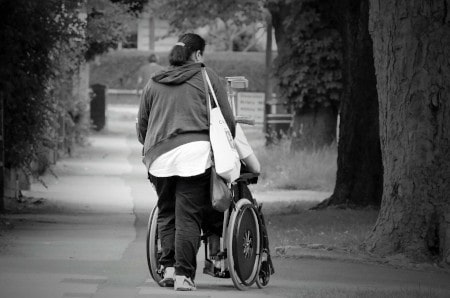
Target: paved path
point(88, 239)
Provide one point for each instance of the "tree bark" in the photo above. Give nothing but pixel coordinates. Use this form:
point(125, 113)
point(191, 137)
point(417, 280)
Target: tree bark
point(2, 157)
point(359, 178)
point(278, 12)
point(411, 42)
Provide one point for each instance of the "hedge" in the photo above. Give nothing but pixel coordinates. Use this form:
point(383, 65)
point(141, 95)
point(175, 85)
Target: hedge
point(118, 69)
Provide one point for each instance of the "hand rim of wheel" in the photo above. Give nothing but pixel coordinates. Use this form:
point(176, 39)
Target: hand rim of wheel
point(239, 284)
point(151, 246)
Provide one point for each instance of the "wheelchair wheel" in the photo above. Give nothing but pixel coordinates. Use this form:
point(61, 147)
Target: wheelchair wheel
point(153, 246)
point(243, 244)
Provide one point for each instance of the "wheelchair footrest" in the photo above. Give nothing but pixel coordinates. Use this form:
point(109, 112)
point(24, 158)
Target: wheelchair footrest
point(210, 269)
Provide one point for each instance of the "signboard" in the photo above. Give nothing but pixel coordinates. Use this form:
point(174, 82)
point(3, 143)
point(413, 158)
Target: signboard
point(251, 104)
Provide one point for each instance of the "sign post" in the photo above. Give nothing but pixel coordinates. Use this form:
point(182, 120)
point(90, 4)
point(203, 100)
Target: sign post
point(268, 90)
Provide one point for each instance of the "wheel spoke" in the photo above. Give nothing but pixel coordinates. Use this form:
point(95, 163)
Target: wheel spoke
point(248, 244)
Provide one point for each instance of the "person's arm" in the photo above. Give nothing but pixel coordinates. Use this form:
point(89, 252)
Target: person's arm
point(222, 99)
point(143, 114)
point(252, 163)
point(245, 151)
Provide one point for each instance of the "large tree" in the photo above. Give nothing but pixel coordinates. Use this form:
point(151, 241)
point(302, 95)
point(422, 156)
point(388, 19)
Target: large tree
point(359, 179)
point(411, 42)
point(359, 174)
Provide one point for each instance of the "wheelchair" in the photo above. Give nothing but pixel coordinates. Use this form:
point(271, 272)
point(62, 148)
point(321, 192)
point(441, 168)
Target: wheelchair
point(244, 245)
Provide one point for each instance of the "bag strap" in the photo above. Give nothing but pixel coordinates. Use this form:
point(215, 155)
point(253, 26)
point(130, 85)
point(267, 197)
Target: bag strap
point(208, 103)
point(212, 90)
point(207, 83)
point(208, 98)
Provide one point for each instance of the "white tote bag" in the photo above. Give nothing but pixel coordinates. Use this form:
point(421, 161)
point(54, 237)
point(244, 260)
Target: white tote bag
point(226, 157)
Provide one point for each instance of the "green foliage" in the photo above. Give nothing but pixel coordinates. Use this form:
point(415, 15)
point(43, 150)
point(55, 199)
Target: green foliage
point(223, 21)
point(43, 43)
point(32, 33)
point(71, 108)
point(107, 25)
point(118, 70)
point(308, 69)
point(134, 6)
point(191, 14)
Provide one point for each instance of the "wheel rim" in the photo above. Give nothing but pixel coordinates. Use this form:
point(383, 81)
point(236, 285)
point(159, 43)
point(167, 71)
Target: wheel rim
point(153, 246)
point(239, 278)
point(244, 248)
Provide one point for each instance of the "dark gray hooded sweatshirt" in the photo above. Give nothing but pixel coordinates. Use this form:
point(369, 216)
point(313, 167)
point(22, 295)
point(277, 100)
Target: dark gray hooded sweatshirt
point(174, 111)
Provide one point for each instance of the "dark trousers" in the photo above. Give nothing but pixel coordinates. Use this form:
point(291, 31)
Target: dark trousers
point(184, 209)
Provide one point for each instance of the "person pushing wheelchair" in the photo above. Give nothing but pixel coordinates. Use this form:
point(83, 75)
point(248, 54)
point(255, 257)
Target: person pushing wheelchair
point(173, 126)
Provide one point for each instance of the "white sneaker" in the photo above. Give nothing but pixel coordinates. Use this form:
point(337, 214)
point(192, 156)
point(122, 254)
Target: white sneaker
point(169, 277)
point(183, 283)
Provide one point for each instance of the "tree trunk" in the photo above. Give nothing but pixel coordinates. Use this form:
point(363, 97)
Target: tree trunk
point(359, 178)
point(278, 12)
point(411, 42)
point(2, 157)
point(313, 128)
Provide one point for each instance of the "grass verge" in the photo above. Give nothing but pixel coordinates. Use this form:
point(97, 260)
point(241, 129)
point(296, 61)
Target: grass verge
point(301, 170)
point(344, 229)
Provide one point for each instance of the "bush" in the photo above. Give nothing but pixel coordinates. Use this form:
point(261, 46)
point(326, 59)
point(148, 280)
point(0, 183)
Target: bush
point(32, 34)
point(309, 73)
point(118, 69)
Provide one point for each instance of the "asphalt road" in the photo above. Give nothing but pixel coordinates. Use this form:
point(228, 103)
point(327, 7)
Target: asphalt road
point(88, 239)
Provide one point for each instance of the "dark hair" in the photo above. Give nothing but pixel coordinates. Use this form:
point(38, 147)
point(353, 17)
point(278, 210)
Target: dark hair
point(180, 53)
point(152, 58)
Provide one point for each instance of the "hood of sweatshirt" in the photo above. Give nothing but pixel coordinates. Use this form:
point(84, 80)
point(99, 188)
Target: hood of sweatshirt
point(177, 75)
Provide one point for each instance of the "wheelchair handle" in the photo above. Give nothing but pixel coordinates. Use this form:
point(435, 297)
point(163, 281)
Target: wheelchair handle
point(245, 120)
